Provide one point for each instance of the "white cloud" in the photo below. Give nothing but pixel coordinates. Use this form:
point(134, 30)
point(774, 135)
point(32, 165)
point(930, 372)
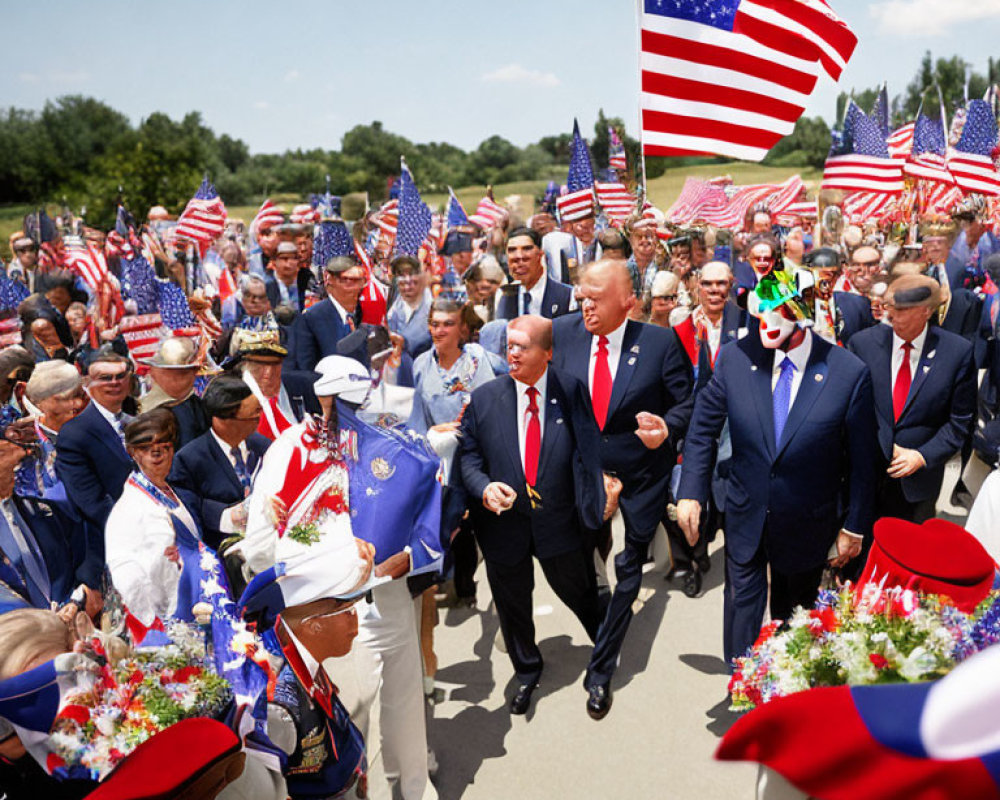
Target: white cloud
point(515, 73)
point(930, 17)
point(262, 105)
point(292, 75)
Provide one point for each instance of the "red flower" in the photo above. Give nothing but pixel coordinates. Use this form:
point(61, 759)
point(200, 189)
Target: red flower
point(827, 619)
point(77, 713)
point(878, 660)
point(766, 633)
point(135, 678)
point(185, 674)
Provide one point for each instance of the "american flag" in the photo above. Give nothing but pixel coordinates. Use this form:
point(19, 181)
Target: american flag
point(880, 111)
point(332, 239)
point(927, 159)
point(488, 214)
point(268, 215)
point(939, 199)
point(414, 215)
point(616, 151)
point(731, 78)
point(12, 294)
point(578, 201)
point(900, 141)
point(204, 217)
point(795, 212)
point(727, 206)
point(455, 214)
point(862, 206)
point(10, 331)
point(861, 160)
point(615, 199)
point(971, 160)
point(85, 261)
point(304, 214)
point(387, 218)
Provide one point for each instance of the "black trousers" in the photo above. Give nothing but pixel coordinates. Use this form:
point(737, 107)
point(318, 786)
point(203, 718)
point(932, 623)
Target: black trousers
point(571, 577)
point(892, 503)
point(746, 595)
point(464, 559)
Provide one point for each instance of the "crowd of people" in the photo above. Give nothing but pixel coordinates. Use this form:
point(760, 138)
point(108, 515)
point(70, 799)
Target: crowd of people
point(521, 385)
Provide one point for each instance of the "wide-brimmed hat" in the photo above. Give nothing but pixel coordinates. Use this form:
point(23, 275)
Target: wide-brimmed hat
point(174, 353)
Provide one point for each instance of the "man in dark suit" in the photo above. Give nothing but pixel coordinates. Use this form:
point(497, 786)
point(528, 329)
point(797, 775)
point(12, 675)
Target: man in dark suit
point(925, 396)
point(639, 383)
point(802, 422)
point(172, 372)
point(530, 457)
point(318, 330)
point(287, 284)
point(214, 473)
point(91, 461)
point(537, 293)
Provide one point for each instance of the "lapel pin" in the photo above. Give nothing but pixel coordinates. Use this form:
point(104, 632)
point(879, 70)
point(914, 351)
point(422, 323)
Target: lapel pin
point(927, 368)
point(753, 367)
point(631, 361)
point(553, 401)
point(818, 378)
point(635, 349)
point(931, 353)
point(555, 308)
point(559, 421)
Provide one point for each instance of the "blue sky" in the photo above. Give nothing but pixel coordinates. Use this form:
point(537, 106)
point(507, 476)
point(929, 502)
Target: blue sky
point(282, 75)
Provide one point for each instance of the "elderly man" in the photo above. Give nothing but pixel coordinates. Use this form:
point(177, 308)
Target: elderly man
point(525, 510)
point(642, 263)
point(409, 312)
point(318, 330)
point(663, 297)
point(865, 263)
point(536, 293)
point(925, 395)
point(713, 322)
point(172, 373)
point(639, 384)
point(287, 284)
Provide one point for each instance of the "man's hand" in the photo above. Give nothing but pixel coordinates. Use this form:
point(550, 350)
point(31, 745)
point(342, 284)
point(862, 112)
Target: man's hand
point(905, 462)
point(173, 554)
point(278, 511)
point(689, 518)
point(395, 566)
point(68, 613)
point(396, 356)
point(498, 497)
point(612, 488)
point(238, 516)
point(652, 429)
point(848, 547)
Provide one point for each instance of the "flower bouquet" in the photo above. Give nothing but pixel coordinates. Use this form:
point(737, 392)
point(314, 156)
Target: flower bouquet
point(128, 702)
point(862, 636)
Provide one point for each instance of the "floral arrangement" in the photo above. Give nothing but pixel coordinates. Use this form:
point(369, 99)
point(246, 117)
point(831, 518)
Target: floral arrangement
point(862, 636)
point(144, 693)
point(307, 530)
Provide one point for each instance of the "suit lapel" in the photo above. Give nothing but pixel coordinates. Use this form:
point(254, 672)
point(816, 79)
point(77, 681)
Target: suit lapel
point(106, 434)
point(508, 429)
point(224, 463)
point(578, 362)
point(882, 377)
point(924, 366)
point(627, 361)
point(810, 388)
point(762, 360)
point(554, 423)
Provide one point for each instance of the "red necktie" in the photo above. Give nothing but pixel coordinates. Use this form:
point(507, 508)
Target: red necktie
point(532, 438)
point(903, 378)
point(600, 389)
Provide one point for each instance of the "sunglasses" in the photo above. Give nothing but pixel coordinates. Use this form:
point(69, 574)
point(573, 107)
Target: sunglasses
point(665, 297)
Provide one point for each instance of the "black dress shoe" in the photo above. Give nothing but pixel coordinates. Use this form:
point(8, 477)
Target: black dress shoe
point(704, 564)
point(692, 583)
point(522, 699)
point(599, 701)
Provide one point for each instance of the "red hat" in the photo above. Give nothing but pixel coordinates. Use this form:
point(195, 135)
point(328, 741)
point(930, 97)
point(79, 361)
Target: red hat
point(192, 760)
point(938, 557)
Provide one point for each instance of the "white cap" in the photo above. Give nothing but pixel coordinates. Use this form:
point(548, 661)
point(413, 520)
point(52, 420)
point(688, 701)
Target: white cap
point(342, 377)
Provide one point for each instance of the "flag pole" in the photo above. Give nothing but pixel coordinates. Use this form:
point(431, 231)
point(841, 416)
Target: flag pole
point(638, 49)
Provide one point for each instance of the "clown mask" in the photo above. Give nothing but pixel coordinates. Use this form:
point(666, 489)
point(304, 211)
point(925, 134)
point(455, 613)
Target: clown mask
point(776, 326)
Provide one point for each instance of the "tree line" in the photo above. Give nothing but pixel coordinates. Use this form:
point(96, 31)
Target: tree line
point(79, 150)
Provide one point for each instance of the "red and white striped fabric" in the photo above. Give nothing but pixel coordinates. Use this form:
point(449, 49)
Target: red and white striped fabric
point(488, 214)
point(900, 141)
point(387, 218)
point(268, 215)
point(85, 260)
point(575, 205)
point(733, 84)
point(10, 331)
point(799, 210)
point(144, 332)
point(615, 199)
point(304, 214)
point(728, 207)
point(863, 173)
point(862, 206)
point(202, 221)
point(929, 167)
point(941, 199)
point(974, 173)
point(696, 197)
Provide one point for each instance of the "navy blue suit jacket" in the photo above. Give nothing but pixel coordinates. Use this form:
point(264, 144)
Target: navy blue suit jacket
point(940, 409)
point(92, 464)
point(654, 375)
point(205, 480)
point(569, 481)
point(555, 302)
point(302, 281)
point(965, 314)
point(855, 314)
point(316, 333)
point(798, 494)
point(299, 386)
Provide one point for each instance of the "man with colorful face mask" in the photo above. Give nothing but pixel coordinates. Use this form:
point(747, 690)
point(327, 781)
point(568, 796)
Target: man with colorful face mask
point(785, 507)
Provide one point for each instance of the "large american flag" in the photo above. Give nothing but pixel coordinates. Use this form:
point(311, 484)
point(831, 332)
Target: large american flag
point(731, 78)
point(85, 260)
point(204, 217)
point(615, 199)
point(268, 215)
point(862, 206)
point(861, 162)
point(972, 160)
point(927, 158)
point(414, 215)
point(900, 141)
point(578, 201)
point(727, 206)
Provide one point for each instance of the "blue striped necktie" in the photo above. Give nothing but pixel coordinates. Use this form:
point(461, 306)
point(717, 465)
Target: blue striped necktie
point(241, 469)
point(782, 398)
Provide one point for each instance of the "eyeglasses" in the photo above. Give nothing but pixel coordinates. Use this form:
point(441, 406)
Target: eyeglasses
point(671, 297)
point(351, 609)
point(110, 377)
point(26, 249)
point(766, 258)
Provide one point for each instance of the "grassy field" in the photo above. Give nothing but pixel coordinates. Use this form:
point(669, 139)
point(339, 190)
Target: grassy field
point(662, 192)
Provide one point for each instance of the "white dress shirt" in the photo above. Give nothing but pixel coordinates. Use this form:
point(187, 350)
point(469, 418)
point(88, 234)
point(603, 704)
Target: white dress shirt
point(226, 524)
point(615, 339)
point(522, 411)
point(341, 311)
point(799, 357)
point(915, 351)
point(535, 293)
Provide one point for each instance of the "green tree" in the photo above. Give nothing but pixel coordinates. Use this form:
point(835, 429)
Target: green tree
point(950, 74)
point(807, 145)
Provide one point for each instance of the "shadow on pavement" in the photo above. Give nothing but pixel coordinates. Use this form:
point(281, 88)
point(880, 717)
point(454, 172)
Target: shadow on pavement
point(475, 676)
point(722, 718)
point(708, 665)
point(463, 743)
